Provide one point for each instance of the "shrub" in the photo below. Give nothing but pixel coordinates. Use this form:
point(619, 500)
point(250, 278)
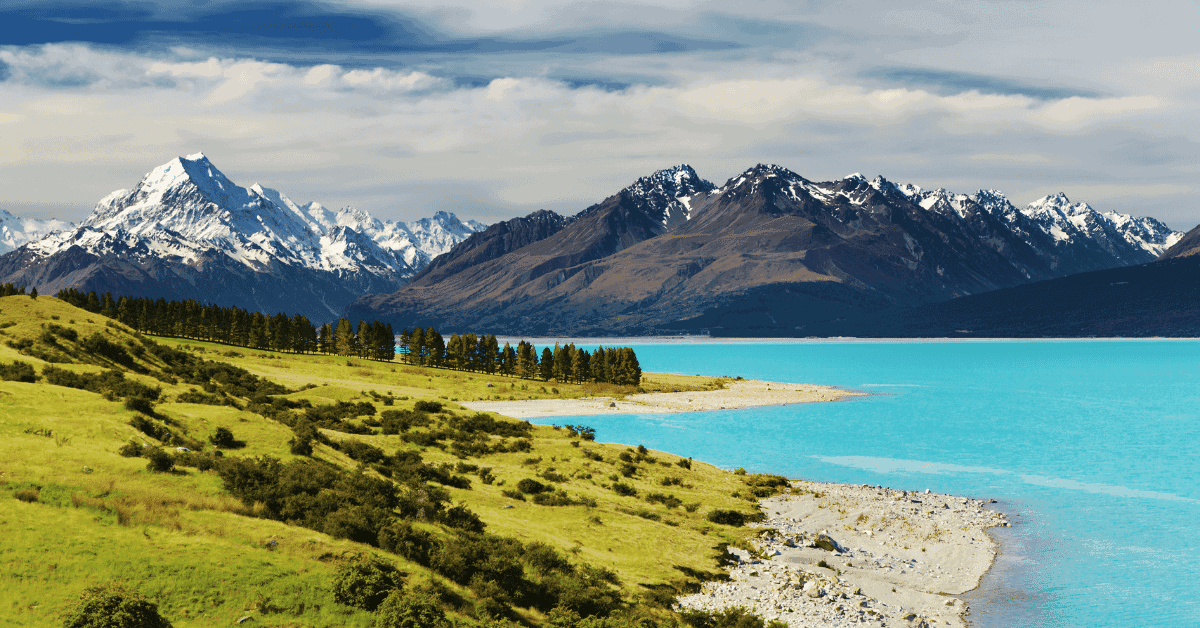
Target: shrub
point(410, 610)
point(685, 463)
point(29, 495)
point(428, 406)
point(401, 538)
point(18, 372)
point(139, 404)
point(553, 476)
point(670, 501)
point(159, 461)
point(365, 582)
point(531, 486)
point(727, 517)
point(511, 494)
point(132, 449)
point(460, 517)
point(735, 617)
point(150, 428)
point(624, 489)
point(224, 439)
point(114, 606)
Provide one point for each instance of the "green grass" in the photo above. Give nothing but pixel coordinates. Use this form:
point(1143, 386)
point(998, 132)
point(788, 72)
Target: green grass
point(195, 550)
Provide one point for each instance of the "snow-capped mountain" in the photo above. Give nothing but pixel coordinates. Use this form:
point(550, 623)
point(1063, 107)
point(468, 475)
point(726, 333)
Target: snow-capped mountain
point(767, 253)
point(1068, 237)
point(667, 194)
point(15, 231)
point(188, 214)
point(187, 207)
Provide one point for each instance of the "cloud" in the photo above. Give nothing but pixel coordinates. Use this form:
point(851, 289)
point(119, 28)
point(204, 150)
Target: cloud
point(496, 108)
point(951, 82)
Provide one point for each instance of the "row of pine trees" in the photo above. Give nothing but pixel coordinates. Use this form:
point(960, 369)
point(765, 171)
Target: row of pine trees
point(372, 340)
point(563, 363)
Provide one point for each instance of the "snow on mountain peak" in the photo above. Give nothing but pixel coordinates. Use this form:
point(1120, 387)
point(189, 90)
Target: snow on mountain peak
point(16, 231)
point(188, 206)
point(667, 194)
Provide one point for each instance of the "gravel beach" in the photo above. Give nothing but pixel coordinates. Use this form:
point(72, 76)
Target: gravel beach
point(736, 394)
point(894, 558)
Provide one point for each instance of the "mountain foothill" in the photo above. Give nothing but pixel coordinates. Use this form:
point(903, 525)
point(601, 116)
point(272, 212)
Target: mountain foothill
point(768, 253)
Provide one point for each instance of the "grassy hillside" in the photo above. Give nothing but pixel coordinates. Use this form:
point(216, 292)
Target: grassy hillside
point(77, 513)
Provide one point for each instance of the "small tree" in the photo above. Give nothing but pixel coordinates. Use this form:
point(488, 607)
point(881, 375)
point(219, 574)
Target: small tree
point(223, 438)
point(410, 610)
point(114, 606)
point(365, 582)
point(159, 461)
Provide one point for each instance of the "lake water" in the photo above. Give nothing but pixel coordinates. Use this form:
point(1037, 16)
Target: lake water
point(1091, 447)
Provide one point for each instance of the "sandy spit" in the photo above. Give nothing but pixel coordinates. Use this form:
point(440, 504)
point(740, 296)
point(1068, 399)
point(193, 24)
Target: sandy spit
point(736, 394)
point(895, 558)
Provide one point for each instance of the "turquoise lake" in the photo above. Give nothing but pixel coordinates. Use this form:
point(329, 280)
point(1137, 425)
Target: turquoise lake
point(1091, 447)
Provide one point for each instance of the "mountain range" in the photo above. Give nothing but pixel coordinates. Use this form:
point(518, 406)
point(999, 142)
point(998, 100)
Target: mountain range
point(767, 253)
point(188, 232)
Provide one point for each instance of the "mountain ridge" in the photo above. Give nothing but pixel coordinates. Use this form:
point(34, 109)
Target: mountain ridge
point(847, 245)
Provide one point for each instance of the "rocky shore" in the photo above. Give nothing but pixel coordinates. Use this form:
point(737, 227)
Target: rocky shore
point(735, 394)
point(853, 555)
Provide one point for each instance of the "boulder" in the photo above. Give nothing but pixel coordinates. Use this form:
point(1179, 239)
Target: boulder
point(823, 541)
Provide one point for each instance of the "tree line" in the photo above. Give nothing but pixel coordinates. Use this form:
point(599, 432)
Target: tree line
point(563, 363)
point(239, 327)
point(372, 340)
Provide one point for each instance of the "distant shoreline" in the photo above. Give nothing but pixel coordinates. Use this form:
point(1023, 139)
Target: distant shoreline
point(736, 394)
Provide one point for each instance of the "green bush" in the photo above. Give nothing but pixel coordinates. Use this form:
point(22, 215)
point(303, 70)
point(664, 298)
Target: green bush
point(624, 489)
point(158, 460)
point(460, 517)
point(400, 537)
point(428, 406)
point(727, 517)
point(132, 449)
point(18, 372)
point(410, 610)
point(531, 486)
point(114, 606)
point(365, 582)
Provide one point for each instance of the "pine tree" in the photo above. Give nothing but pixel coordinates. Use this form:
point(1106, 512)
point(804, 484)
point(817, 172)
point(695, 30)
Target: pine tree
point(343, 338)
point(547, 366)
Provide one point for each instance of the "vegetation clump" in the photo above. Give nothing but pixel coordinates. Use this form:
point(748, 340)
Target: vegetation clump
point(364, 582)
point(18, 371)
point(114, 606)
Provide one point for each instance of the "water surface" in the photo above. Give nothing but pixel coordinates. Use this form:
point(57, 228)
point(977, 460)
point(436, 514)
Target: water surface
point(1090, 446)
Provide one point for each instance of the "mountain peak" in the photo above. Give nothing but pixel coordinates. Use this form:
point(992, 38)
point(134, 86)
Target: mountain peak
point(667, 194)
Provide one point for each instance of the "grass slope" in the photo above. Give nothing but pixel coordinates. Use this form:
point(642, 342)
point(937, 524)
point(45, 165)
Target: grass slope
point(91, 516)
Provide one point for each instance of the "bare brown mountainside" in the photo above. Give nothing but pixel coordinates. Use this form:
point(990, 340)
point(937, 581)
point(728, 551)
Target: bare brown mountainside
point(1188, 245)
point(768, 249)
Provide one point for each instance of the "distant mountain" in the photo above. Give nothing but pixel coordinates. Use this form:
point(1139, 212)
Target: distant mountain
point(769, 252)
point(187, 231)
point(1148, 300)
point(16, 231)
point(1189, 244)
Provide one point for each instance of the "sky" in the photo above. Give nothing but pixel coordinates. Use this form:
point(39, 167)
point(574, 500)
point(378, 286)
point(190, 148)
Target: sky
point(494, 109)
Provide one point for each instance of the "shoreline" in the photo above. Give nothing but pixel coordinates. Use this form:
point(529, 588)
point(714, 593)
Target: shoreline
point(735, 395)
point(893, 558)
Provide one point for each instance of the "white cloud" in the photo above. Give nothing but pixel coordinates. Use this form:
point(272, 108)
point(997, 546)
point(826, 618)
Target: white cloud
point(387, 139)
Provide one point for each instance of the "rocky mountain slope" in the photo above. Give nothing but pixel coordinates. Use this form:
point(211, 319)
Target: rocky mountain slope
point(1187, 245)
point(768, 250)
point(187, 231)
